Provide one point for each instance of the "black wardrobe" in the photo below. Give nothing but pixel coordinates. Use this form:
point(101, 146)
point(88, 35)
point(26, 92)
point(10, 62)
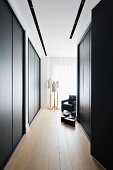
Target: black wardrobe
point(95, 83)
point(11, 82)
point(34, 82)
point(102, 84)
point(84, 82)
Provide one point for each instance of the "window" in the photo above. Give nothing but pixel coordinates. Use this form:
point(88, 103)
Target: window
point(64, 70)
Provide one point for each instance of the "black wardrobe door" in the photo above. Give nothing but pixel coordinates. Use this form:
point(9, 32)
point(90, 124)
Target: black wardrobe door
point(87, 83)
point(17, 82)
point(84, 54)
point(31, 83)
point(36, 83)
point(5, 82)
point(81, 83)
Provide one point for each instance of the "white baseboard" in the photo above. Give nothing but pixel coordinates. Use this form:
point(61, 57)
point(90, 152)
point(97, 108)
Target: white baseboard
point(27, 128)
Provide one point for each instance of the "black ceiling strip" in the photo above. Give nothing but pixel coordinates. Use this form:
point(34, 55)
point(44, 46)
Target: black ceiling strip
point(77, 18)
point(36, 24)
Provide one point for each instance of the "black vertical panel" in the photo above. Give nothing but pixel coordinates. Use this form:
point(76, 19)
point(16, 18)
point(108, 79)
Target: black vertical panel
point(78, 83)
point(81, 83)
point(17, 81)
point(87, 83)
point(39, 83)
point(102, 84)
point(84, 77)
point(90, 82)
point(36, 88)
point(34, 82)
point(31, 83)
point(5, 82)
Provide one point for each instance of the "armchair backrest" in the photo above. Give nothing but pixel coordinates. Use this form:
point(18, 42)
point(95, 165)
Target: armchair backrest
point(71, 99)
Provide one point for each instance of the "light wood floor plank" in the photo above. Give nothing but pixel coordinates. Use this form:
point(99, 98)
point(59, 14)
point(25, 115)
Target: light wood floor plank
point(54, 156)
point(66, 163)
point(52, 145)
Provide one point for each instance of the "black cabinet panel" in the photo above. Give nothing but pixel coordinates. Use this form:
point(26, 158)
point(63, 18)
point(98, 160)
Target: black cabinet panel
point(17, 81)
point(5, 82)
point(87, 84)
point(102, 84)
point(36, 83)
point(81, 83)
point(11, 85)
point(84, 73)
point(31, 83)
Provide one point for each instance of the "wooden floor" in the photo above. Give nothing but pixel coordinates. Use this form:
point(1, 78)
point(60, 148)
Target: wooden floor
point(51, 145)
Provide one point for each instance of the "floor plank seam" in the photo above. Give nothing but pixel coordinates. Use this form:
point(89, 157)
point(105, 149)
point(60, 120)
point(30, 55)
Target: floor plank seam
point(68, 147)
point(59, 146)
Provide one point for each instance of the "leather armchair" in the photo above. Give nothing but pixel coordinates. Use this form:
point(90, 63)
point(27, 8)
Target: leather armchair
point(69, 104)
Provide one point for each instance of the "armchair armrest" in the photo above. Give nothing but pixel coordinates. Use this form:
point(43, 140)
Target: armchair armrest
point(63, 101)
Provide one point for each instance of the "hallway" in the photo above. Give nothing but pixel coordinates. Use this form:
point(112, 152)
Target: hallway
point(51, 145)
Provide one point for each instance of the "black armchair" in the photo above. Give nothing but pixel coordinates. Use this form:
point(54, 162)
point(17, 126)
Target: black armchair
point(69, 104)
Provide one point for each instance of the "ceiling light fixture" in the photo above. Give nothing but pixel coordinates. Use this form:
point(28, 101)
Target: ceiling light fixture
point(77, 18)
point(36, 24)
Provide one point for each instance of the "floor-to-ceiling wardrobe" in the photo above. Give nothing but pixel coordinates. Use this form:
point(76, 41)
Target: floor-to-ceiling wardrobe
point(11, 81)
point(34, 82)
point(102, 84)
point(95, 83)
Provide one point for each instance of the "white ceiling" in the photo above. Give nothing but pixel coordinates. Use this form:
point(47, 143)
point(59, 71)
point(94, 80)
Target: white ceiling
point(56, 19)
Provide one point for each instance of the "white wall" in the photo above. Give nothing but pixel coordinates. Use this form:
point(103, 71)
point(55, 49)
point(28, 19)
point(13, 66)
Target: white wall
point(44, 82)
